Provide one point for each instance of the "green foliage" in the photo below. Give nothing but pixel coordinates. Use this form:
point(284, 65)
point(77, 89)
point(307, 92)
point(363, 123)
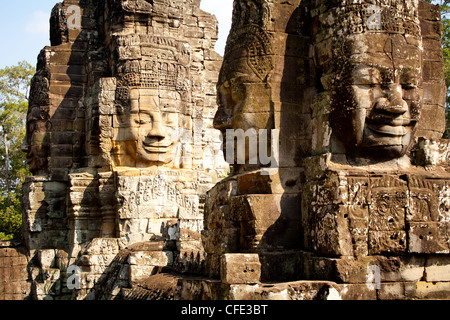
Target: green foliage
point(10, 218)
point(15, 82)
point(14, 87)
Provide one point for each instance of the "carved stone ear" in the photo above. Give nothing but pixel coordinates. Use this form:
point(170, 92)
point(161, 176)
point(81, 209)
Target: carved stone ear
point(120, 109)
point(251, 21)
point(259, 55)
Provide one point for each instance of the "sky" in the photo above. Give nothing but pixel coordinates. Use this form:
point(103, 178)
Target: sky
point(24, 27)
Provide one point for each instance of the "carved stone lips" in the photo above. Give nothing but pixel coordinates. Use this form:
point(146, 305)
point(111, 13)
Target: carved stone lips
point(157, 147)
point(384, 125)
point(389, 130)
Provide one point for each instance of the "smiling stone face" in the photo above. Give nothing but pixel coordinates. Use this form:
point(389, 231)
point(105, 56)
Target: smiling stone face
point(377, 101)
point(154, 127)
point(148, 129)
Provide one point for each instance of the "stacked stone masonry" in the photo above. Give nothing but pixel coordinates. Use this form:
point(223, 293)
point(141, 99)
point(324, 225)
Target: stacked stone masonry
point(120, 142)
point(358, 206)
point(131, 198)
point(14, 284)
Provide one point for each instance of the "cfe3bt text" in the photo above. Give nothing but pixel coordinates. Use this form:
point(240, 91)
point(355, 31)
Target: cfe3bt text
point(238, 309)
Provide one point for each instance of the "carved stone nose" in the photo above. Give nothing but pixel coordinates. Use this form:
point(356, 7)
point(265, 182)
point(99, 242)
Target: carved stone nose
point(157, 131)
point(222, 120)
point(25, 147)
point(394, 102)
point(397, 104)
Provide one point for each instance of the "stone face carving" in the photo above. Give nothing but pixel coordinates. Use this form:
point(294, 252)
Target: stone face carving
point(36, 145)
point(120, 137)
point(249, 212)
point(243, 87)
point(148, 130)
point(153, 100)
point(374, 81)
point(128, 175)
point(364, 202)
point(373, 69)
point(373, 73)
point(378, 110)
point(361, 186)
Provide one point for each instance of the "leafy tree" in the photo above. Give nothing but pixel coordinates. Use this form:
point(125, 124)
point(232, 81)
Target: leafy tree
point(15, 82)
point(14, 89)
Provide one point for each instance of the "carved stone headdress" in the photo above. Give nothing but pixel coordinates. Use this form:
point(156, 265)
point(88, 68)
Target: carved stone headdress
point(336, 21)
point(252, 20)
point(360, 16)
point(152, 6)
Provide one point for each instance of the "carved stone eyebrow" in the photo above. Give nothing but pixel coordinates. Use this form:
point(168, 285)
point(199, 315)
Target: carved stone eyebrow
point(410, 76)
point(387, 73)
point(356, 62)
point(365, 74)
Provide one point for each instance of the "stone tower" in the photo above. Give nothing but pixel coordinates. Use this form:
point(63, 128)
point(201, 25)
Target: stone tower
point(346, 99)
point(358, 208)
point(120, 141)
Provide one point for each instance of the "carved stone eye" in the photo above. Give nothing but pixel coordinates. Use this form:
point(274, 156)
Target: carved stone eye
point(383, 207)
